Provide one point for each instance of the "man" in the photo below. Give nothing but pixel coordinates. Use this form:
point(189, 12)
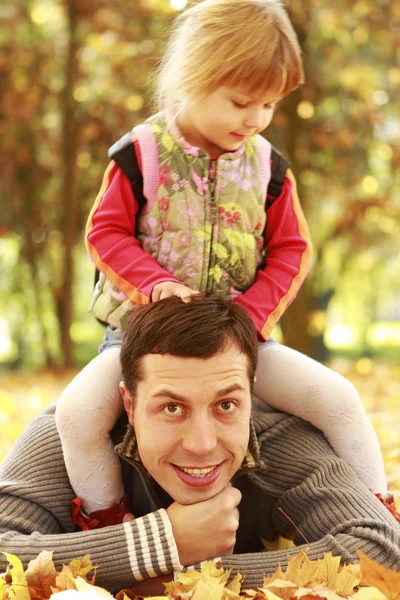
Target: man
point(206, 480)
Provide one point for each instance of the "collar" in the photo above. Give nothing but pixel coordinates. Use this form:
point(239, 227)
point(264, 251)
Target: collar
point(169, 122)
point(128, 451)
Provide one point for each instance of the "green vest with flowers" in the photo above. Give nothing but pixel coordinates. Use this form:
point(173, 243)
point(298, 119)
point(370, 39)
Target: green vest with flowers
point(203, 220)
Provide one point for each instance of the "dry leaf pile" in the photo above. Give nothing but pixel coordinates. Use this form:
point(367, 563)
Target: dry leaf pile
point(304, 579)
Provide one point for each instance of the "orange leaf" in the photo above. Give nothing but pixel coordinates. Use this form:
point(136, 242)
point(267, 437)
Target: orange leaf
point(64, 581)
point(80, 567)
point(386, 581)
point(41, 576)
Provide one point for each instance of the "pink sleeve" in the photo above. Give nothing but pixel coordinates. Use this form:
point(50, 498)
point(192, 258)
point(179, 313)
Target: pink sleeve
point(288, 259)
point(111, 242)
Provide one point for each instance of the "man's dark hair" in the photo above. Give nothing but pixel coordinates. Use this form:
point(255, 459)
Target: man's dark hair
point(199, 327)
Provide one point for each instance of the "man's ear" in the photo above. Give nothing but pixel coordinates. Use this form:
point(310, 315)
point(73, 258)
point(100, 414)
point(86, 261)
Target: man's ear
point(127, 399)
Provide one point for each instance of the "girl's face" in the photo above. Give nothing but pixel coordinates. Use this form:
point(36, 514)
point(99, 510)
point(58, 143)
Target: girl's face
point(221, 121)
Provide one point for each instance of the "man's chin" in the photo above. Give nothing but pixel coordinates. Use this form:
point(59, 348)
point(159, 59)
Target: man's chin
point(195, 496)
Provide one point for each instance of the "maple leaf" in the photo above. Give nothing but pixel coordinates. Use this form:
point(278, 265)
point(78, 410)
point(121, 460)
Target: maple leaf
point(41, 576)
point(281, 543)
point(386, 581)
point(80, 567)
point(19, 585)
point(326, 572)
point(282, 589)
point(369, 593)
point(64, 581)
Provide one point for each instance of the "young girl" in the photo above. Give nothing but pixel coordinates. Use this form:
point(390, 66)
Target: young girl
point(206, 224)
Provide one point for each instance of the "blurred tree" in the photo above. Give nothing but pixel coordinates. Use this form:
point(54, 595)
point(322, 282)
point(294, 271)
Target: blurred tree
point(341, 131)
point(74, 77)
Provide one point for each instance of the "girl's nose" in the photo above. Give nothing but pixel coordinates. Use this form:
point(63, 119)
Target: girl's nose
point(254, 118)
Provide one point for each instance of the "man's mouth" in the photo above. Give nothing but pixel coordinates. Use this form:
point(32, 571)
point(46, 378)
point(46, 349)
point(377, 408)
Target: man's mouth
point(198, 477)
point(198, 472)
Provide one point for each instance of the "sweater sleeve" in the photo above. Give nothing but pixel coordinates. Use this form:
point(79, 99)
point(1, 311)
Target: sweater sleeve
point(111, 241)
point(288, 259)
point(35, 515)
point(324, 502)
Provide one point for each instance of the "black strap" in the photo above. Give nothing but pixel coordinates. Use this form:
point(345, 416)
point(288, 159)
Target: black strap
point(278, 171)
point(124, 154)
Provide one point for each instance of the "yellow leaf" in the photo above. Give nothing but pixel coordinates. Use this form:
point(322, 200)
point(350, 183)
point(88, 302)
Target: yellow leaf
point(374, 574)
point(283, 589)
point(281, 543)
point(220, 250)
point(203, 235)
point(347, 578)
point(216, 273)
point(168, 141)
point(83, 586)
point(326, 572)
point(208, 588)
point(216, 570)
point(234, 258)
point(64, 581)
point(249, 149)
point(234, 237)
point(268, 595)
point(235, 584)
point(19, 585)
point(80, 567)
point(249, 240)
point(369, 593)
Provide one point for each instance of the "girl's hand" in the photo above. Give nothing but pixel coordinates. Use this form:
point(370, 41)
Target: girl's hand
point(166, 289)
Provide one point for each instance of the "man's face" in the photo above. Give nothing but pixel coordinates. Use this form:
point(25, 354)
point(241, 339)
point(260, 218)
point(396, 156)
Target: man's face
point(191, 419)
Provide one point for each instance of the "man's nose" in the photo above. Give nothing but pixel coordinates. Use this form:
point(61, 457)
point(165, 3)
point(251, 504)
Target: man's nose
point(200, 436)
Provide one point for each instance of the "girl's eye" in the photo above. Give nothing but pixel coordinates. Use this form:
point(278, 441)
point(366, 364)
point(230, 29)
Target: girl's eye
point(172, 409)
point(227, 406)
point(239, 104)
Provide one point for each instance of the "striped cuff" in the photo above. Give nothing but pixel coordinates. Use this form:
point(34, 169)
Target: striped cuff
point(151, 546)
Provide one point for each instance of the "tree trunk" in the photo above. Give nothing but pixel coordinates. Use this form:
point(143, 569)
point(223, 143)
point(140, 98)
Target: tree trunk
point(68, 180)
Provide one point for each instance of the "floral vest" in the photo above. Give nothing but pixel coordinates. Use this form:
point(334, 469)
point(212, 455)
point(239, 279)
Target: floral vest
point(203, 220)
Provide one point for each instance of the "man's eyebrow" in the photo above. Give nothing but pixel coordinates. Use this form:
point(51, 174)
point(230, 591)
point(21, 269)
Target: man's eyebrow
point(169, 394)
point(235, 387)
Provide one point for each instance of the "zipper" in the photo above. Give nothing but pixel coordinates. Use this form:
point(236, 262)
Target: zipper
point(212, 178)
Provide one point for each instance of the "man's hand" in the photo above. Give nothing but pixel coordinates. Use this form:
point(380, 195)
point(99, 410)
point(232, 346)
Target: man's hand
point(206, 530)
point(165, 289)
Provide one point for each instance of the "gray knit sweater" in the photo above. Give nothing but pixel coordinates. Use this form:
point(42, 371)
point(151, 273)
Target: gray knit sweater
point(301, 476)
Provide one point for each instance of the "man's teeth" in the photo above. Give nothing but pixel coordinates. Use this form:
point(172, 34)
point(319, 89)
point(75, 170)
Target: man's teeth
point(198, 472)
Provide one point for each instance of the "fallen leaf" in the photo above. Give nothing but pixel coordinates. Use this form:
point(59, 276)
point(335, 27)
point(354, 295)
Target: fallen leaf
point(19, 584)
point(374, 574)
point(283, 589)
point(281, 543)
point(325, 572)
point(64, 581)
point(83, 586)
point(80, 567)
point(41, 576)
point(369, 593)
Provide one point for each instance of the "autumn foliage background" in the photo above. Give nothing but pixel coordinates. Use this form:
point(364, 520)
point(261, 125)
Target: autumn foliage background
point(75, 76)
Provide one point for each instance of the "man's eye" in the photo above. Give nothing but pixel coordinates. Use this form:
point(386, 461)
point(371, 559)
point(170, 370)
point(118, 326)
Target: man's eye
point(172, 409)
point(227, 406)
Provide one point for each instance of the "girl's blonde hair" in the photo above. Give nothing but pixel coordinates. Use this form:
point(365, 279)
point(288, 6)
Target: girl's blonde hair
point(245, 43)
